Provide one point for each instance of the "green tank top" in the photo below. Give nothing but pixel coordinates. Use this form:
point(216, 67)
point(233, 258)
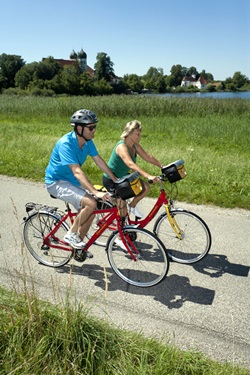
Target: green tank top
point(117, 165)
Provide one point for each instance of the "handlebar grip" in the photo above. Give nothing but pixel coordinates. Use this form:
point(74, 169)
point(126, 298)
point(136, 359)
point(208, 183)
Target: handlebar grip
point(150, 181)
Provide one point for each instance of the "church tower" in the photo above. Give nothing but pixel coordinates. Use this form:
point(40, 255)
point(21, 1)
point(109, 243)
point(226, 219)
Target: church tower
point(73, 55)
point(82, 58)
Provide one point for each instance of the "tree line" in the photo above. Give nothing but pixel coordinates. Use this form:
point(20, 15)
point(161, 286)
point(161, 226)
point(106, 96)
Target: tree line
point(49, 77)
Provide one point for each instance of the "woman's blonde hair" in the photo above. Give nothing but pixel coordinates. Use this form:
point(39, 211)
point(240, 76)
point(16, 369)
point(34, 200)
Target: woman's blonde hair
point(130, 127)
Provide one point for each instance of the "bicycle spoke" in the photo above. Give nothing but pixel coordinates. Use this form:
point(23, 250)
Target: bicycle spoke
point(55, 253)
point(191, 243)
point(146, 262)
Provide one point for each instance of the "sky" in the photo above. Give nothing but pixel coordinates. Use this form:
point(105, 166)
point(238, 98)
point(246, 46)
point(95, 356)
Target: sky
point(213, 35)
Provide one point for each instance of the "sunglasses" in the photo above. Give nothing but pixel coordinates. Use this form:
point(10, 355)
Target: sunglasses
point(92, 127)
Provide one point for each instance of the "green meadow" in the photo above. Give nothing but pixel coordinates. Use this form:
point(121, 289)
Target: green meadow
point(210, 135)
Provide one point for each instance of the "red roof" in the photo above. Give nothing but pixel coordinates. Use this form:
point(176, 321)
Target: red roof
point(72, 62)
point(189, 79)
point(203, 80)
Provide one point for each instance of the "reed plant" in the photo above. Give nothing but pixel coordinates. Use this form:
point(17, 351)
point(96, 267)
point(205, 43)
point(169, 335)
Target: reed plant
point(37, 337)
point(210, 135)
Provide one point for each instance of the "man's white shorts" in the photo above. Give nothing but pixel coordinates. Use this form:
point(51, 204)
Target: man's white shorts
point(67, 192)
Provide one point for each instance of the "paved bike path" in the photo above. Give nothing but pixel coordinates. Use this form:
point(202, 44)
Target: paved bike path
point(205, 307)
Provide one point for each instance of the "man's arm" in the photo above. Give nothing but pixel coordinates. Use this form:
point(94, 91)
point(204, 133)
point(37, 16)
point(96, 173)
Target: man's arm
point(82, 178)
point(104, 167)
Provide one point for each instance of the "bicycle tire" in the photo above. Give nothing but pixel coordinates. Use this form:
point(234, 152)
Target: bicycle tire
point(151, 264)
point(196, 237)
point(95, 225)
point(36, 227)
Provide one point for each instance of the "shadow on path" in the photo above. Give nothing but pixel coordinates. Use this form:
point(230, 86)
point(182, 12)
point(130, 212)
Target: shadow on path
point(215, 265)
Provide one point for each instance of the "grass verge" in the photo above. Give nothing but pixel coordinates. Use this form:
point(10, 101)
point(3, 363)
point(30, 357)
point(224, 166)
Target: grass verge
point(38, 337)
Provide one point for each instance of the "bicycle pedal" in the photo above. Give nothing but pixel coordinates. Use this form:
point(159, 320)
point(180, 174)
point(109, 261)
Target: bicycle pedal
point(81, 255)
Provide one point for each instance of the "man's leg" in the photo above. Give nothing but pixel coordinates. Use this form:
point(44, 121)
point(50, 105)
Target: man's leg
point(84, 218)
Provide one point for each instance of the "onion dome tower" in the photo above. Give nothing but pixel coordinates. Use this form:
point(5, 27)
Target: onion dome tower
point(73, 55)
point(82, 57)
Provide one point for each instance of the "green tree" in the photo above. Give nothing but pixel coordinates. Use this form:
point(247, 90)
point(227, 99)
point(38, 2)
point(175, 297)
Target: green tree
point(210, 87)
point(176, 75)
point(48, 68)
point(220, 87)
point(35, 74)
point(102, 87)
point(120, 87)
point(169, 81)
point(239, 79)
point(103, 67)
point(192, 71)
point(231, 87)
point(87, 86)
point(154, 79)
point(133, 82)
point(184, 71)
point(206, 75)
point(70, 79)
point(9, 66)
point(26, 75)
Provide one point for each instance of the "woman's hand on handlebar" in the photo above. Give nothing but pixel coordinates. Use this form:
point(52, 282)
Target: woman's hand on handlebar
point(153, 179)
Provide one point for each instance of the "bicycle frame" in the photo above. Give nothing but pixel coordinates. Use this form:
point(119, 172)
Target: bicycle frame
point(162, 200)
point(112, 215)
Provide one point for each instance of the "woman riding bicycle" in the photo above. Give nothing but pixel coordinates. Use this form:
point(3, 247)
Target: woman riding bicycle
point(123, 159)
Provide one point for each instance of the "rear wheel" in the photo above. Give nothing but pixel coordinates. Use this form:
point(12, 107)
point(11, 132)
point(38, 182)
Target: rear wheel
point(195, 237)
point(55, 253)
point(145, 265)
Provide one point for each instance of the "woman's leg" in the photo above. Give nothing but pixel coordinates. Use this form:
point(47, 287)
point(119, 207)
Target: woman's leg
point(140, 196)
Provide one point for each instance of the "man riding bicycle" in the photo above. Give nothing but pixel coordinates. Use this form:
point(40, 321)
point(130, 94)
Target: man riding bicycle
point(65, 180)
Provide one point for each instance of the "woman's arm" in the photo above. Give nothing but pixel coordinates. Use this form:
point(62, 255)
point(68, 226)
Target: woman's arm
point(122, 151)
point(148, 157)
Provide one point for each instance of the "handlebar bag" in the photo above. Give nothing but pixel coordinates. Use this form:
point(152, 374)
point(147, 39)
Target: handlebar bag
point(128, 186)
point(175, 171)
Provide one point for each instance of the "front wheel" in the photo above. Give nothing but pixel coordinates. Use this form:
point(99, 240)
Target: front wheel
point(53, 253)
point(192, 241)
point(145, 265)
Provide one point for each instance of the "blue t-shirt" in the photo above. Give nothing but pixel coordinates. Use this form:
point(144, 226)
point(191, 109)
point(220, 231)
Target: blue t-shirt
point(65, 152)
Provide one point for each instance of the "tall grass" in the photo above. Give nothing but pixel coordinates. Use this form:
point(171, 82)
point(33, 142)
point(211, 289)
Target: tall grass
point(40, 338)
point(121, 106)
point(211, 135)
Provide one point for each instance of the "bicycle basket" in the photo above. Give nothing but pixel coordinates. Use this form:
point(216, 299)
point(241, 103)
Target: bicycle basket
point(175, 171)
point(129, 186)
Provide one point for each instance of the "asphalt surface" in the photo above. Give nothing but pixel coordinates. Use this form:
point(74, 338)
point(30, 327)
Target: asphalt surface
point(204, 307)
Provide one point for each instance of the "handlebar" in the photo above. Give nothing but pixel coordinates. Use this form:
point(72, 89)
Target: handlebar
point(162, 177)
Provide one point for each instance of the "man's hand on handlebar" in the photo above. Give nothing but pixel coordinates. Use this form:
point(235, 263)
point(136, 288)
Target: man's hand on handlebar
point(103, 196)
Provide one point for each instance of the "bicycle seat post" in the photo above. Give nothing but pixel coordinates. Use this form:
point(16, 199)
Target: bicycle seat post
point(68, 209)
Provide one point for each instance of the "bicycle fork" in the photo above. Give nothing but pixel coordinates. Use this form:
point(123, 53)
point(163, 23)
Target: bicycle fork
point(179, 233)
point(128, 242)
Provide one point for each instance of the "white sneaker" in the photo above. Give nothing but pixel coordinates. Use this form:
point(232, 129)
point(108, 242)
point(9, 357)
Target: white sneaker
point(119, 243)
point(67, 236)
point(74, 240)
point(135, 211)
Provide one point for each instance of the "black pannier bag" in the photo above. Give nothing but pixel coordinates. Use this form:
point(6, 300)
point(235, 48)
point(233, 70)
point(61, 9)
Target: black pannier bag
point(175, 171)
point(128, 186)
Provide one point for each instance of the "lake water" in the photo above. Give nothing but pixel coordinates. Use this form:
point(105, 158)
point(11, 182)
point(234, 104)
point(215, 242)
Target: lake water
point(214, 95)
